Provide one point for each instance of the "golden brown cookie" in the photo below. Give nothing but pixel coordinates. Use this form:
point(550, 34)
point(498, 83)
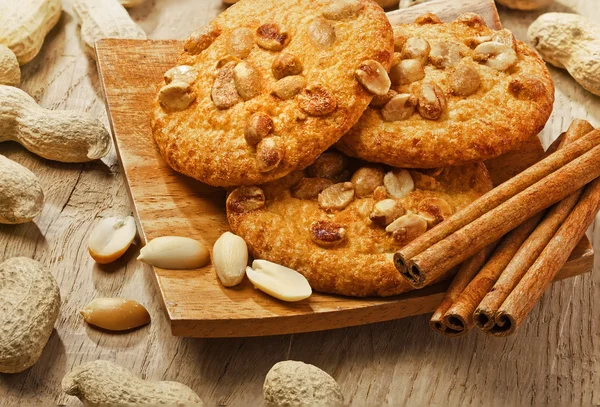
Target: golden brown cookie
point(340, 221)
point(267, 87)
point(461, 92)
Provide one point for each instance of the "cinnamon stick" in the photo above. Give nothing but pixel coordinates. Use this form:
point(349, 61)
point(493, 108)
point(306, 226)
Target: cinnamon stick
point(459, 316)
point(465, 274)
point(533, 284)
point(435, 261)
point(497, 196)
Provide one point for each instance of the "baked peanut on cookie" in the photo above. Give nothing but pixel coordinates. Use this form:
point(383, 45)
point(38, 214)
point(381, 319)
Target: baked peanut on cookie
point(460, 92)
point(340, 220)
point(265, 88)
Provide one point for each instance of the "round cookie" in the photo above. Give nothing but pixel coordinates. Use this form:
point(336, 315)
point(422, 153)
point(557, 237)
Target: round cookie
point(265, 88)
point(340, 221)
point(461, 92)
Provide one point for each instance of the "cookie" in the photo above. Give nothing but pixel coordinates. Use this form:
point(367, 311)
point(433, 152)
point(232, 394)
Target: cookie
point(340, 221)
point(461, 92)
point(267, 87)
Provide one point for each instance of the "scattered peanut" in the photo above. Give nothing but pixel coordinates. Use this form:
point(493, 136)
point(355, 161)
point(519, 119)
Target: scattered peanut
point(115, 314)
point(25, 24)
point(259, 126)
point(432, 102)
point(342, 9)
point(176, 96)
point(317, 101)
point(247, 80)
point(321, 33)
point(59, 135)
point(111, 238)
point(224, 92)
point(201, 39)
point(326, 233)
point(104, 19)
point(271, 37)
point(29, 306)
point(464, 80)
point(372, 75)
point(230, 257)
point(407, 71)
point(416, 48)
point(286, 65)
point(310, 188)
point(240, 42)
point(400, 107)
point(105, 383)
point(571, 42)
point(379, 101)
point(366, 179)
point(174, 252)
point(386, 211)
point(337, 196)
point(21, 195)
point(434, 210)
point(10, 73)
point(444, 54)
point(407, 228)
point(181, 73)
point(292, 383)
point(269, 153)
point(525, 4)
point(398, 183)
point(496, 55)
point(289, 87)
point(278, 281)
point(245, 199)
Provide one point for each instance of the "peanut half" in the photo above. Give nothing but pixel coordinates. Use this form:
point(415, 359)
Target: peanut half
point(230, 256)
point(278, 281)
point(174, 253)
point(115, 314)
point(111, 238)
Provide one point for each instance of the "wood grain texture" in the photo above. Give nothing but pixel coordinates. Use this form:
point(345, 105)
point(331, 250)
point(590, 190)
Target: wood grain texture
point(552, 359)
point(167, 203)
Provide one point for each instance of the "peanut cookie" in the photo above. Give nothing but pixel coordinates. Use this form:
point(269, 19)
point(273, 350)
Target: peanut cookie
point(461, 92)
point(267, 87)
point(340, 221)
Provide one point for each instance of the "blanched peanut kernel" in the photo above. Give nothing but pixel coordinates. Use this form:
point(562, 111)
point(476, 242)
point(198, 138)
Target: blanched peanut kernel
point(278, 281)
point(259, 126)
point(407, 71)
point(269, 153)
point(176, 96)
point(181, 73)
point(372, 75)
point(416, 48)
point(289, 87)
point(366, 179)
point(444, 54)
point(386, 211)
point(240, 42)
point(247, 80)
point(111, 238)
point(400, 107)
point(432, 102)
point(321, 33)
point(286, 65)
point(337, 196)
point(407, 228)
point(174, 253)
point(398, 183)
point(496, 55)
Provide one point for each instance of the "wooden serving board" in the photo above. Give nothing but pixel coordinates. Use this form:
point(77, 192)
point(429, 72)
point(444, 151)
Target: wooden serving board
point(167, 203)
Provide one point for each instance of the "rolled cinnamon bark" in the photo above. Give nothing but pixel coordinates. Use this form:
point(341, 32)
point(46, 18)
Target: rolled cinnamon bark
point(492, 199)
point(533, 284)
point(459, 316)
point(435, 261)
point(465, 274)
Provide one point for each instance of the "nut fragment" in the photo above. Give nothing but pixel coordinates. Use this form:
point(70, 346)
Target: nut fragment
point(526, 87)
point(271, 37)
point(181, 73)
point(472, 20)
point(286, 65)
point(174, 253)
point(505, 37)
point(464, 80)
point(337, 196)
point(407, 71)
point(115, 314)
point(434, 210)
point(317, 101)
point(224, 92)
point(380, 193)
point(372, 75)
point(432, 102)
point(445, 54)
point(342, 9)
point(310, 188)
point(201, 39)
point(245, 199)
point(289, 86)
point(400, 107)
point(240, 42)
point(407, 228)
point(386, 211)
point(398, 183)
point(247, 80)
point(416, 48)
point(330, 165)
point(230, 257)
point(258, 127)
point(278, 281)
point(496, 55)
point(380, 101)
point(176, 96)
point(326, 233)
point(111, 238)
point(321, 33)
point(366, 179)
point(473, 42)
point(269, 153)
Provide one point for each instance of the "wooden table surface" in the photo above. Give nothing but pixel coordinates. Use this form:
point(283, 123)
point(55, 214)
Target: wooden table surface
point(553, 358)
